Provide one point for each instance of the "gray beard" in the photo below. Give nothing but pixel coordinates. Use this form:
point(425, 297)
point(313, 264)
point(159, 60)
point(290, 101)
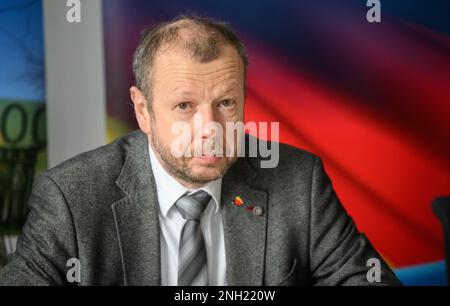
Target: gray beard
point(177, 167)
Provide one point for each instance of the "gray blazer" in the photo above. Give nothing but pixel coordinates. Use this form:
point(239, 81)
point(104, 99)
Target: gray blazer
point(101, 207)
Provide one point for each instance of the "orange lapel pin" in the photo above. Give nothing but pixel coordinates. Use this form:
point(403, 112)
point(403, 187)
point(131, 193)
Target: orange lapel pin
point(238, 201)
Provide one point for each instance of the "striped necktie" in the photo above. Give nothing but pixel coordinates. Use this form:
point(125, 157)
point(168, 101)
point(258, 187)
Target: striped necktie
point(192, 263)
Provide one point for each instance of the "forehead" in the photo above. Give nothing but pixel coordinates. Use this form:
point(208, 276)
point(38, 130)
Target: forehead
point(176, 65)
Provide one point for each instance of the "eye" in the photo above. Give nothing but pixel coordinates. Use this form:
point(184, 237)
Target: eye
point(227, 103)
point(184, 106)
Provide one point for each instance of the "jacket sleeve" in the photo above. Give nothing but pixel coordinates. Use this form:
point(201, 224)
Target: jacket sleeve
point(339, 254)
point(47, 240)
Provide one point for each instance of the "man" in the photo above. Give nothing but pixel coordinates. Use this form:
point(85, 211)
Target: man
point(135, 213)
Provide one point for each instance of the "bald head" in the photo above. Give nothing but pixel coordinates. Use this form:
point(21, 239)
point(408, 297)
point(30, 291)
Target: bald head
point(202, 38)
point(203, 46)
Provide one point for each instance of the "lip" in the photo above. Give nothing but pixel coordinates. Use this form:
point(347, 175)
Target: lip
point(209, 159)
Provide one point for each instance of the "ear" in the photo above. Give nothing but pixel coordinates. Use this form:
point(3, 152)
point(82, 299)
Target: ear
point(140, 109)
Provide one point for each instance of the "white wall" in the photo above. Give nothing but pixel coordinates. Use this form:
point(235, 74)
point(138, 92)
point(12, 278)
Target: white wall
point(75, 80)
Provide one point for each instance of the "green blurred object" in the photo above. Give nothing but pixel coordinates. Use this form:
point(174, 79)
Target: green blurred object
point(22, 153)
point(17, 168)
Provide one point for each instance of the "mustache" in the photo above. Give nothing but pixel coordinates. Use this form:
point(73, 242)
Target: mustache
point(209, 147)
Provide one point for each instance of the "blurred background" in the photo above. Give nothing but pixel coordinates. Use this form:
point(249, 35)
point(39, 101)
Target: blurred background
point(371, 99)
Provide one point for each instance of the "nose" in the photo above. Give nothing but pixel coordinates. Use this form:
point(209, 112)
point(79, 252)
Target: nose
point(207, 115)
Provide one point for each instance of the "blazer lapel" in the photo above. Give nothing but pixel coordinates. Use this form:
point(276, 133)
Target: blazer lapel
point(244, 226)
point(136, 218)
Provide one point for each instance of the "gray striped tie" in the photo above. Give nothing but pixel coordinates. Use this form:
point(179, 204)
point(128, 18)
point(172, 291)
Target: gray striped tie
point(192, 264)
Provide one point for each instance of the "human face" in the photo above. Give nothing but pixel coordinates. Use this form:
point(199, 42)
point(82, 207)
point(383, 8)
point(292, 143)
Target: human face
point(182, 87)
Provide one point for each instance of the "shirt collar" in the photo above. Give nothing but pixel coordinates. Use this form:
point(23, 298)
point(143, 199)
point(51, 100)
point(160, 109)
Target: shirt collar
point(170, 190)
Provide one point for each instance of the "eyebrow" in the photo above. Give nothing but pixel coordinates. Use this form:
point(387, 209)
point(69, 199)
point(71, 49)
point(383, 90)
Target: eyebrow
point(230, 89)
point(180, 94)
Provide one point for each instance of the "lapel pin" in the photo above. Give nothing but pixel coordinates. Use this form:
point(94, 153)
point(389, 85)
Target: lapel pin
point(257, 211)
point(237, 201)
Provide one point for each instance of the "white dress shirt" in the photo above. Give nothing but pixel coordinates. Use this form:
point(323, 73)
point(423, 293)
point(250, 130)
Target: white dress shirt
point(171, 223)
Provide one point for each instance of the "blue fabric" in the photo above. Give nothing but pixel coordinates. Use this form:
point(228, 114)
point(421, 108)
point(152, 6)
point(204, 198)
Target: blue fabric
point(431, 274)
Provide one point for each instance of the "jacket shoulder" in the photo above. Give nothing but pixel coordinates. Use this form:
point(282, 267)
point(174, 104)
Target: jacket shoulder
point(282, 158)
point(96, 166)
